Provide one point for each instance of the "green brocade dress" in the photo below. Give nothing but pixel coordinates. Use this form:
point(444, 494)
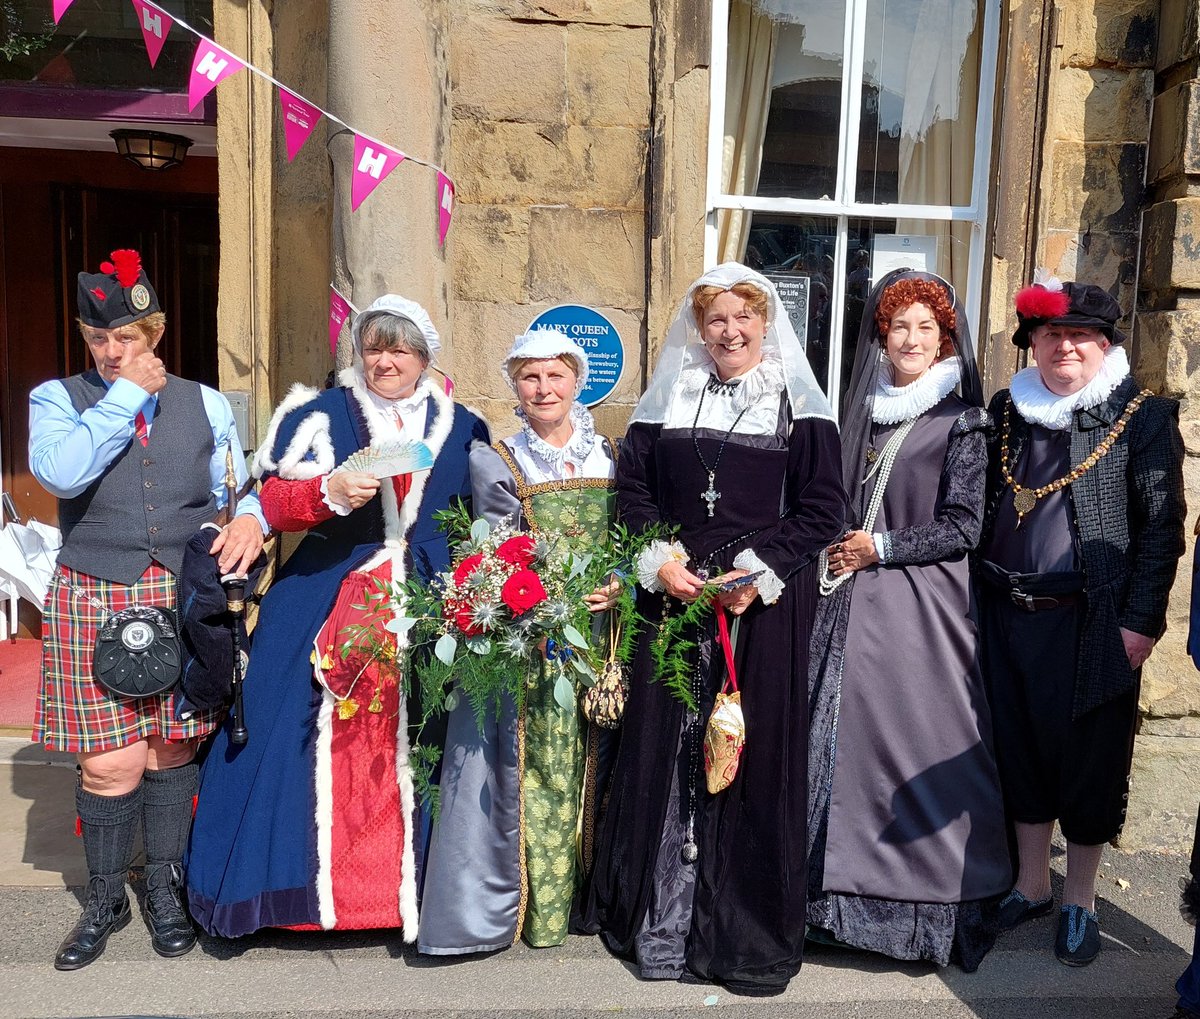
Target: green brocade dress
point(558, 794)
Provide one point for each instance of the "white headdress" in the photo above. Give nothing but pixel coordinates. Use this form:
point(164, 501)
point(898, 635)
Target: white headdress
point(540, 344)
point(683, 348)
point(394, 304)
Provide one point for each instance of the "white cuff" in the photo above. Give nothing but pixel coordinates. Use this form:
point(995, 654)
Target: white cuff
point(337, 507)
point(880, 543)
point(653, 557)
point(770, 587)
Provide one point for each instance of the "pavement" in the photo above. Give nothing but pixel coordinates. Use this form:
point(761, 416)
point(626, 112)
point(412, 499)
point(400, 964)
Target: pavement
point(369, 975)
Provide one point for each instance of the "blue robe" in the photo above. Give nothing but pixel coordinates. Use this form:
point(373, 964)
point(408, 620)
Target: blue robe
point(254, 858)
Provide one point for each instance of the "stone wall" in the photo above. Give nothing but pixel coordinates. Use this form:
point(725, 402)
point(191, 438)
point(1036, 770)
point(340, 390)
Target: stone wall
point(550, 107)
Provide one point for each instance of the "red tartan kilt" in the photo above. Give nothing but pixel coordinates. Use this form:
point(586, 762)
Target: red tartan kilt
point(74, 712)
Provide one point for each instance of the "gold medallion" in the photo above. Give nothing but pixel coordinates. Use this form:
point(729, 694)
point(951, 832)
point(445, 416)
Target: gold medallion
point(1023, 501)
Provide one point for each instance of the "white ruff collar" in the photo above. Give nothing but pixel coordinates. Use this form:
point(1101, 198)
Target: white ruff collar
point(1039, 406)
point(764, 379)
point(894, 404)
point(578, 447)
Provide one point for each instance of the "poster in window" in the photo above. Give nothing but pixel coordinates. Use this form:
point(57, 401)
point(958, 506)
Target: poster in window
point(902, 251)
point(793, 292)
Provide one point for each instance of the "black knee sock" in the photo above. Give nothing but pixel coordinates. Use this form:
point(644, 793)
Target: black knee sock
point(167, 812)
point(109, 828)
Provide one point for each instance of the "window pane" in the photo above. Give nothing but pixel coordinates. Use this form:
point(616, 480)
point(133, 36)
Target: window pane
point(98, 44)
point(800, 248)
point(920, 96)
point(783, 97)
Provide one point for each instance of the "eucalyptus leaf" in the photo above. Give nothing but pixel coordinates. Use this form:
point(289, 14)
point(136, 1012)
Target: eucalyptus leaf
point(574, 636)
point(583, 667)
point(452, 699)
point(564, 693)
point(579, 565)
point(480, 531)
point(400, 625)
point(445, 648)
point(480, 645)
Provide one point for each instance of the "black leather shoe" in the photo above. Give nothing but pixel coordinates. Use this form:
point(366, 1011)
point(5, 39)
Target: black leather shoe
point(1078, 941)
point(88, 937)
point(1016, 909)
point(171, 932)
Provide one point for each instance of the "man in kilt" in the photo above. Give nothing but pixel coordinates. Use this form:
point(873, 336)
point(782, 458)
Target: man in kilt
point(136, 458)
point(1083, 527)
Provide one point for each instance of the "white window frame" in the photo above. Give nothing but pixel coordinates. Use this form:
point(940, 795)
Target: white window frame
point(842, 207)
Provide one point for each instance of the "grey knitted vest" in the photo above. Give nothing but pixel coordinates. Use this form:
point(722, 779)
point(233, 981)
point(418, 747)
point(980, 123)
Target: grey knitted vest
point(150, 500)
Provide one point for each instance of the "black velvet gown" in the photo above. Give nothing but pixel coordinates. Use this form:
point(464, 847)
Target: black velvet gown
point(736, 915)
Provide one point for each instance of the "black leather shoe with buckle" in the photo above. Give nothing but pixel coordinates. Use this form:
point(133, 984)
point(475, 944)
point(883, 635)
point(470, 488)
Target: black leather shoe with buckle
point(100, 917)
point(171, 932)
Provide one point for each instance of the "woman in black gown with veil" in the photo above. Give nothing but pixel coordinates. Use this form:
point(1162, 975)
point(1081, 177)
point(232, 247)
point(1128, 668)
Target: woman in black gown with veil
point(734, 444)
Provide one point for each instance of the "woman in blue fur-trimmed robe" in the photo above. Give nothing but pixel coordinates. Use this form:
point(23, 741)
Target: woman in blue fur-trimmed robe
point(312, 823)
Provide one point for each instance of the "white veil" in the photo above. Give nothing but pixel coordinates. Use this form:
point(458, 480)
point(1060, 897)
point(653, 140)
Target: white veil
point(684, 348)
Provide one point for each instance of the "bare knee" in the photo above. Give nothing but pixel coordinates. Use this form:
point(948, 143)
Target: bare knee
point(114, 772)
point(163, 754)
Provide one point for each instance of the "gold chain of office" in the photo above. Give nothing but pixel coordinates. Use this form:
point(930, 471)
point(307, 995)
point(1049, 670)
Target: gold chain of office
point(1025, 499)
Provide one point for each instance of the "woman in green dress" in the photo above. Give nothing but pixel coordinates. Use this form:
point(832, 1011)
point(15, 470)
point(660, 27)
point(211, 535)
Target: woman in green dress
point(512, 842)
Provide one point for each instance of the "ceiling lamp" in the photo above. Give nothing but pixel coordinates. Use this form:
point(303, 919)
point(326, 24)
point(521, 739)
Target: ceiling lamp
point(151, 150)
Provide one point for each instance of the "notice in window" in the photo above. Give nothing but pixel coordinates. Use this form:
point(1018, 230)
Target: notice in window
point(793, 292)
point(902, 251)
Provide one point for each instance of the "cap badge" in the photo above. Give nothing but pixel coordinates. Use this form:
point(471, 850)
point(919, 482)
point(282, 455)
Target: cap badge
point(139, 297)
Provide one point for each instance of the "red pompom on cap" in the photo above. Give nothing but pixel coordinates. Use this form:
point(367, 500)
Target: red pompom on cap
point(128, 266)
point(1038, 302)
point(107, 267)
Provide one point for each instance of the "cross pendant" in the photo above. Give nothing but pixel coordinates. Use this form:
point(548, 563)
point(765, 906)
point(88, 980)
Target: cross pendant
point(711, 495)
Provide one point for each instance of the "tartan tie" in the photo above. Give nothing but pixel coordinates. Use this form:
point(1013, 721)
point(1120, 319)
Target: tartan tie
point(143, 433)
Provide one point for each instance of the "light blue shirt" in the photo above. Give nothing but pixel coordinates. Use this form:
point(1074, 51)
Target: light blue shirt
point(69, 450)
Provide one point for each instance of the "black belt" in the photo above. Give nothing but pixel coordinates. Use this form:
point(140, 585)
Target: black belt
point(1035, 592)
point(1039, 603)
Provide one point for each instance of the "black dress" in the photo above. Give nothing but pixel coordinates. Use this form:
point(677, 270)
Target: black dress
point(736, 915)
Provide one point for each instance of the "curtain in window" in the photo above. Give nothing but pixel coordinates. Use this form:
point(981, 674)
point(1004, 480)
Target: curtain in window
point(937, 139)
point(747, 104)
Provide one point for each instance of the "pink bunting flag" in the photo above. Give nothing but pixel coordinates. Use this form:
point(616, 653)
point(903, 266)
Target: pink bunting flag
point(449, 384)
point(339, 309)
point(299, 119)
point(155, 23)
point(60, 8)
point(445, 193)
point(373, 161)
point(210, 66)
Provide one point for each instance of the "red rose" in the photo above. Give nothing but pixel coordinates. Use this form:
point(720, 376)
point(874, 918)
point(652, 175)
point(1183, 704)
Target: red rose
point(522, 591)
point(518, 550)
point(464, 619)
point(467, 567)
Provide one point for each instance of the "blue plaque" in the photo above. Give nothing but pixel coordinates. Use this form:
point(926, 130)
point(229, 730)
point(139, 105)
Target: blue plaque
point(600, 341)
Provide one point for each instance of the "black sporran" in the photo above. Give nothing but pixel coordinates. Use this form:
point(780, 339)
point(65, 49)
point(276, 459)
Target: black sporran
point(138, 652)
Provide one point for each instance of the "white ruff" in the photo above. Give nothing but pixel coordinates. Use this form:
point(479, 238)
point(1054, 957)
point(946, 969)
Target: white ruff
point(894, 404)
point(1039, 406)
point(577, 449)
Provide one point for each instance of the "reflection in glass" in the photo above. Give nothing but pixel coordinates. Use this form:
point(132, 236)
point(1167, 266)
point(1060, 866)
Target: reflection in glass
point(920, 101)
point(782, 102)
point(98, 44)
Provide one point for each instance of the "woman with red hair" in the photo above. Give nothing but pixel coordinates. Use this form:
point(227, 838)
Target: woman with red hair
point(907, 853)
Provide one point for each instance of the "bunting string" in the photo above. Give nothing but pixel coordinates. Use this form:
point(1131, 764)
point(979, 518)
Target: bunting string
point(374, 159)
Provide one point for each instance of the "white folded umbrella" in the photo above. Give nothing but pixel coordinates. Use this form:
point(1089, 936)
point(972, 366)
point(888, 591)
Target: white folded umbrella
point(28, 553)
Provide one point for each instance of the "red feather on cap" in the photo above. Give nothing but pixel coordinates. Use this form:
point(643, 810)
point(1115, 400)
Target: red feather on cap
point(128, 266)
point(99, 294)
point(1038, 302)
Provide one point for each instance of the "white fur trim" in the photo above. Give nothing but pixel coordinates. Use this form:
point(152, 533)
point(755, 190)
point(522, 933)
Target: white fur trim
point(324, 791)
point(311, 436)
point(1039, 406)
point(653, 557)
point(770, 587)
point(894, 404)
point(297, 396)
